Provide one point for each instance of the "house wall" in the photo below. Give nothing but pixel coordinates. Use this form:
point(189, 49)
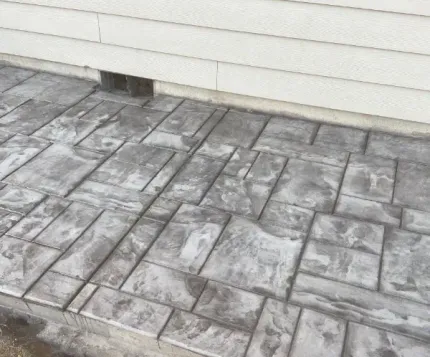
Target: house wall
point(361, 56)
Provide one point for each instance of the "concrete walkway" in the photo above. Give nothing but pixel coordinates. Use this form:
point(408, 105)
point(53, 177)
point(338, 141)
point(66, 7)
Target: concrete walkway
point(190, 227)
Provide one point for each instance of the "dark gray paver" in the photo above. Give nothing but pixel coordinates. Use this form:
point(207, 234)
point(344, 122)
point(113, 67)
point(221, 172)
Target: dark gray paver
point(405, 267)
point(369, 178)
point(170, 141)
point(256, 257)
point(266, 169)
point(19, 200)
point(215, 150)
point(413, 185)
point(341, 138)
point(152, 157)
point(309, 185)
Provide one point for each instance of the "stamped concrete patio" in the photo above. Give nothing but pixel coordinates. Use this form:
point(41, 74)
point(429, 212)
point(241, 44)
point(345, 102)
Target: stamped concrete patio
point(196, 228)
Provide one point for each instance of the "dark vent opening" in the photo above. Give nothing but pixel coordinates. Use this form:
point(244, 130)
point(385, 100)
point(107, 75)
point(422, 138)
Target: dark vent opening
point(135, 86)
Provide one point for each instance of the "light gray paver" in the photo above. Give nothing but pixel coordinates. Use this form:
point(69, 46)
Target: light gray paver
point(341, 138)
point(164, 285)
point(417, 221)
point(348, 233)
point(204, 336)
point(89, 251)
point(238, 129)
point(17, 151)
point(121, 262)
point(291, 129)
point(193, 180)
point(52, 88)
point(9, 102)
point(275, 329)
point(123, 174)
point(188, 238)
point(11, 76)
point(57, 170)
point(318, 335)
point(369, 178)
point(297, 150)
point(255, 257)
point(368, 210)
point(343, 264)
point(361, 305)
point(19, 200)
point(230, 305)
point(365, 341)
point(170, 141)
point(38, 219)
point(131, 124)
point(240, 163)
point(30, 116)
point(74, 220)
point(309, 185)
point(266, 169)
point(187, 118)
point(245, 198)
point(399, 147)
point(130, 313)
point(21, 264)
point(285, 215)
point(126, 247)
point(111, 197)
point(413, 186)
point(54, 289)
point(405, 265)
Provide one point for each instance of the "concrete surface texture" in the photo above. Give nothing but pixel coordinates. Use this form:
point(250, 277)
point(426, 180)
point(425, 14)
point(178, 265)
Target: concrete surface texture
point(198, 230)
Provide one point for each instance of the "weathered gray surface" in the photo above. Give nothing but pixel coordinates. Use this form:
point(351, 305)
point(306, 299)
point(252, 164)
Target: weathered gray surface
point(218, 232)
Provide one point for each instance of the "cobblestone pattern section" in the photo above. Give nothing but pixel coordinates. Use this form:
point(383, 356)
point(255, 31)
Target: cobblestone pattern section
point(221, 232)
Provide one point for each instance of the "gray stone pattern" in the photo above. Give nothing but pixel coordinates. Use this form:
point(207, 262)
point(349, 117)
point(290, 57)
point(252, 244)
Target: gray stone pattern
point(217, 231)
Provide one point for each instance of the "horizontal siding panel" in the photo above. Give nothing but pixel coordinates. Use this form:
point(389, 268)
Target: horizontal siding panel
point(52, 21)
point(158, 66)
point(332, 24)
point(323, 92)
point(339, 61)
point(414, 7)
